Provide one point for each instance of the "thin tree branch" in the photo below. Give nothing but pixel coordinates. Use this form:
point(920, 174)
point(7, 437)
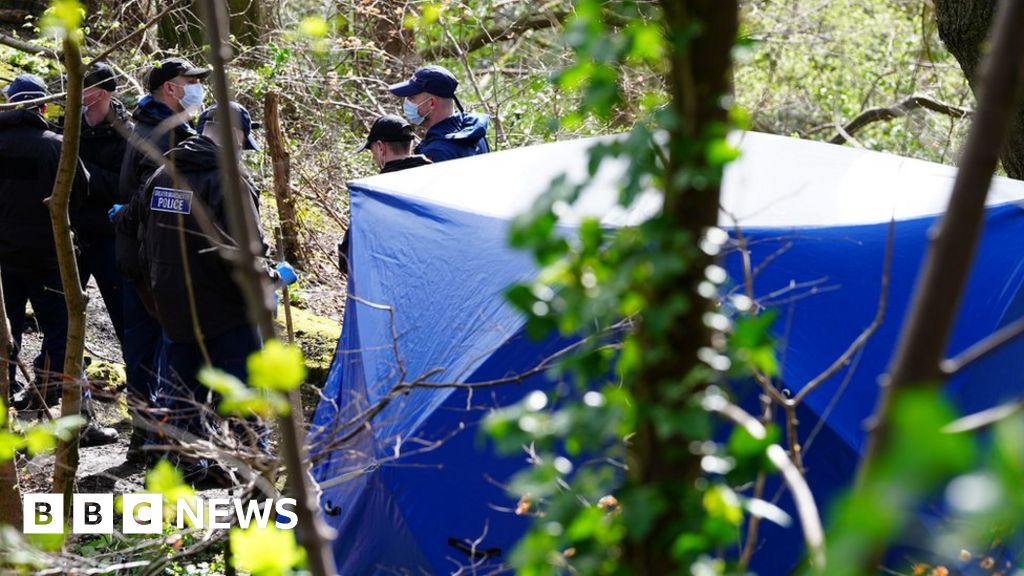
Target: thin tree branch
point(806, 508)
point(909, 104)
point(529, 21)
point(862, 340)
point(27, 47)
point(983, 348)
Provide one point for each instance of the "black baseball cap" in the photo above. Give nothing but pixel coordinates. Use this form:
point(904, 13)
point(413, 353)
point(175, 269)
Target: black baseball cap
point(170, 69)
point(389, 128)
point(244, 122)
point(101, 76)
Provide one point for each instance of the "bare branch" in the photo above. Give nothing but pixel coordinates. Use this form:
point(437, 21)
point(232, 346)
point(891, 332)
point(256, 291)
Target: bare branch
point(983, 348)
point(529, 21)
point(985, 418)
point(862, 339)
point(27, 47)
point(903, 108)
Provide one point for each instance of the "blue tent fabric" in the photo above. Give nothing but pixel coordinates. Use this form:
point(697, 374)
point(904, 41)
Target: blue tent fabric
point(417, 490)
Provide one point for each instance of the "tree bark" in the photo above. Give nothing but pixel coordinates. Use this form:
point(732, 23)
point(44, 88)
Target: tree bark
point(281, 162)
point(964, 26)
point(10, 489)
point(700, 76)
point(66, 462)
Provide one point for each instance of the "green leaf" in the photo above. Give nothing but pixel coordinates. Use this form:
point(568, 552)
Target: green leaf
point(721, 502)
point(265, 551)
point(647, 43)
point(431, 12)
point(63, 17)
point(314, 27)
point(9, 445)
point(277, 367)
point(720, 152)
point(39, 440)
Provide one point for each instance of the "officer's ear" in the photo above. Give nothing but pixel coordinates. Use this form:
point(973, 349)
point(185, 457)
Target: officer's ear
point(42, 109)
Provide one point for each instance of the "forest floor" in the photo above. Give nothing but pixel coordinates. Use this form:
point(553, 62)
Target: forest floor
point(316, 317)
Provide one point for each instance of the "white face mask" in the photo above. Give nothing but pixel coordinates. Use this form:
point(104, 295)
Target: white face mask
point(192, 100)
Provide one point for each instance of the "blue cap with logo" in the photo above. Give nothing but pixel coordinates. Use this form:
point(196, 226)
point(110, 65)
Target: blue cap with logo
point(244, 122)
point(26, 87)
point(432, 79)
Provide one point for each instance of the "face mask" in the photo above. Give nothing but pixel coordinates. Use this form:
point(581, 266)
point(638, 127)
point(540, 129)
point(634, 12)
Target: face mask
point(193, 98)
point(412, 113)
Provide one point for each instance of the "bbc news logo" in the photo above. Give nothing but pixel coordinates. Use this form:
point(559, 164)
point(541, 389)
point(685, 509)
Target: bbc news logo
point(144, 513)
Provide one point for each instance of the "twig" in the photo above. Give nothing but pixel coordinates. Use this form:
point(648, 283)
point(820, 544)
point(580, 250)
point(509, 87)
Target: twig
point(866, 334)
point(172, 7)
point(983, 348)
point(807, 510)
point(529, 21)
point(985, 418)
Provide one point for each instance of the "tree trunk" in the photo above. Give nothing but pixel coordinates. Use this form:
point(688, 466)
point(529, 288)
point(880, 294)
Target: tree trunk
point(964, 26)
point(925, 335)
point(66, 462)
point(281, 162)
point(311, 533)
point(659, 461)
point(10, 490)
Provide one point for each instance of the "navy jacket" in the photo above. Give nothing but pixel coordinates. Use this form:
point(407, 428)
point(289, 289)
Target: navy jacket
point(458, 136)
point(171, 219)
point(29, 156)
point(135, 171)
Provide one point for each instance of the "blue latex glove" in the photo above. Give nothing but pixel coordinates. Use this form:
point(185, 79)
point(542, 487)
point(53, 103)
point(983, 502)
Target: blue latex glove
point(287, 273)
point(113, 211)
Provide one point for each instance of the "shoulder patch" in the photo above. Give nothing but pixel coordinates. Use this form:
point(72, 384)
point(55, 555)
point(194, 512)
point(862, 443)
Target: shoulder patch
point(171, 200)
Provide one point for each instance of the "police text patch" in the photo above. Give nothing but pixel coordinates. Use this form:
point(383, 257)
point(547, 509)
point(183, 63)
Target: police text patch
point(171, 200)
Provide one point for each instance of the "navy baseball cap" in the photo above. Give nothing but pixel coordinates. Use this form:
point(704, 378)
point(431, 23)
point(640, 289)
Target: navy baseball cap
point(389, 128)
point(436, 80)
point(26, 87)
point(244, 122)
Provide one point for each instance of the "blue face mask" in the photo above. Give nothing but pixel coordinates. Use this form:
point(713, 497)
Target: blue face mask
point(193, 98)
point(412, 113)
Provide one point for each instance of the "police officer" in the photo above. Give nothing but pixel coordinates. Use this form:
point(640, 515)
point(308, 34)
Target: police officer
point(430, 103)
point(390, 142)
point(102, 150)
point(198, 304)
point(29, 156)
point(161, 119)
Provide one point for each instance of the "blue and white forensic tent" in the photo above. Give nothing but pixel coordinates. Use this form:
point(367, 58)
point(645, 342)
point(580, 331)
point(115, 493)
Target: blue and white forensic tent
point(417, 490)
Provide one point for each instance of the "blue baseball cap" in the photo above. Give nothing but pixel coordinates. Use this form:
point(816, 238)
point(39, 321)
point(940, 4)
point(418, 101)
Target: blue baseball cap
point(26, 87)
point(436, 80)
point(244, 120)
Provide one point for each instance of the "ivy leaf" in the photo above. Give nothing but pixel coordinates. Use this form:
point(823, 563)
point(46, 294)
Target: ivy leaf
point(265, 551)
point(277, 367)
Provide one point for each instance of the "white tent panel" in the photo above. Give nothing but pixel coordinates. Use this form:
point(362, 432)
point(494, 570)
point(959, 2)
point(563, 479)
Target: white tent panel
point(778, 182)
